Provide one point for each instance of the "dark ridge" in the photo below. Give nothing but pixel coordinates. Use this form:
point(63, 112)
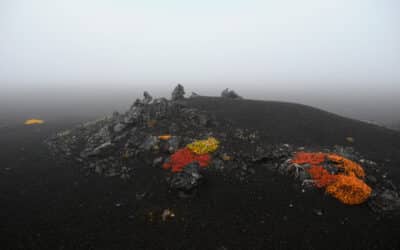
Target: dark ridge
point(298, 124)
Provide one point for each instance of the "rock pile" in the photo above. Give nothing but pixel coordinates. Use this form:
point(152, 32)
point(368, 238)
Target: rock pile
point(152, 130)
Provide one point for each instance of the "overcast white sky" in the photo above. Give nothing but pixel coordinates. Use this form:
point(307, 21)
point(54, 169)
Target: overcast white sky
point(312, 51)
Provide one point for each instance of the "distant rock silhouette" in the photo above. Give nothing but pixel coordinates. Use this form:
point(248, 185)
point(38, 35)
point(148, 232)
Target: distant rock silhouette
point(194, 95)
point(178, 93)
point(226, 93)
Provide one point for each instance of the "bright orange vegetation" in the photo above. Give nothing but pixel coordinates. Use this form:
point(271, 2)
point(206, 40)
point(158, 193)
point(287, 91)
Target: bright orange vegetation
point(347, 165)
point(346, 187)
point(321, 176)
point(314, 159)
point(33, 121)
point(164, 137)
point(349, 190)
point(183, 157)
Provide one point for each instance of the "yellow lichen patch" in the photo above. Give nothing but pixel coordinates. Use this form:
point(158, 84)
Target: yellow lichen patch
point(164, 137)
point(33, 121)
point(349, 167)
point(204, 146)
point(226, 157)
point(349, 190)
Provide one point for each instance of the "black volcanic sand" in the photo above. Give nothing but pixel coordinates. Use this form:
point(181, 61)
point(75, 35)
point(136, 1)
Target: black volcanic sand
point(48, 204)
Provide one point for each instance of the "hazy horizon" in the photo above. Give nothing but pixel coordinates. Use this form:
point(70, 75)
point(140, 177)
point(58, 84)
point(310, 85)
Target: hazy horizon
point(95, 56)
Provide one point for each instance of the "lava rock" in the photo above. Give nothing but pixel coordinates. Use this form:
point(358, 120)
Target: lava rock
point(157, 162)
point(101, 149)
point(385, 201)
point(187, 181)
point(149, 143)
point(173, 144)
point(119, 127)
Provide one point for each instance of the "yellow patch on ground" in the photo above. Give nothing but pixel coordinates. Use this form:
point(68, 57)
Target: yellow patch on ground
point(204, 146)
point(33, 121)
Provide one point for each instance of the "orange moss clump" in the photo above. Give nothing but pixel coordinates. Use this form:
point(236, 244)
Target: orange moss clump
point(346, 187)
point(349, 167)
point(321, 176)
point(33, 121)
point(349, 190)
point(164, 137)
point(183, 157)
point(314, 159)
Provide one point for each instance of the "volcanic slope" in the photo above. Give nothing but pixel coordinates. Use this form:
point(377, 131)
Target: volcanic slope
point(301, 125)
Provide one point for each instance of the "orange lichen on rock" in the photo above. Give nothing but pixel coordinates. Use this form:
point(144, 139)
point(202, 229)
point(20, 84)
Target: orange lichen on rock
point(183, 157)
point(347, 186)
point(349, 190)
point(349, 167)
point(164, 137)
point(314, 159)
point(321, 176)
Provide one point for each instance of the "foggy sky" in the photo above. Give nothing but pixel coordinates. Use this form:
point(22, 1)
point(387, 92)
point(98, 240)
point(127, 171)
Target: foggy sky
point(342, 55)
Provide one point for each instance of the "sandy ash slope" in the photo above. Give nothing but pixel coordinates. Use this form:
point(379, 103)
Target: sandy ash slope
point(84, 200)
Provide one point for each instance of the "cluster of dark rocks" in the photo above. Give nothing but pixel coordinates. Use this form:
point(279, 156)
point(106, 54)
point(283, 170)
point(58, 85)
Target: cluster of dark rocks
point(116, 145)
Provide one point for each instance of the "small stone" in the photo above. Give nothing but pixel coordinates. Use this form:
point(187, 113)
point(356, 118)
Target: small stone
point(119, 127)
point(98, 169)
point(101, 149)
point(318, 212)
point(140, 196)
point(187, 181)
point(157, 162)
point(167, 214)
point(371, 179)
point(125, 176)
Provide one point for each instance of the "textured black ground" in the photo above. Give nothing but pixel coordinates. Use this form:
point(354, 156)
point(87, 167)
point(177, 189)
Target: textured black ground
point(48, 205)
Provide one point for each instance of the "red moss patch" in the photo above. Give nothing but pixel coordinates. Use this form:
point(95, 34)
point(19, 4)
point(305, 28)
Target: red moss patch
point(183, 157)
point(314, 159)
point(321, 176)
